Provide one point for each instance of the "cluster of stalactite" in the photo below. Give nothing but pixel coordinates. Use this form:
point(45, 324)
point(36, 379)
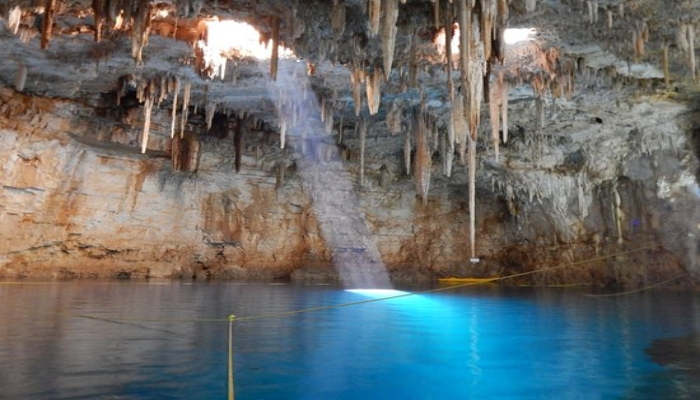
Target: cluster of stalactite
point(125, 14)
point(152, 91)
point(185, 146)
point(17, 24)
point(481, 26)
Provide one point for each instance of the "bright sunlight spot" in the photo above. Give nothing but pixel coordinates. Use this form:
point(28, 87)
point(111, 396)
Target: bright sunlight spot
point(233, 38)
point(510, 36)
point(516, 35)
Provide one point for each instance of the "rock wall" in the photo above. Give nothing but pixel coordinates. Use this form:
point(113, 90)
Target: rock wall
point(78, 199)
point(75, 201)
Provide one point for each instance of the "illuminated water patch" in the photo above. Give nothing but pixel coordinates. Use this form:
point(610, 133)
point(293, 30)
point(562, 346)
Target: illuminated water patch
point(378, 293)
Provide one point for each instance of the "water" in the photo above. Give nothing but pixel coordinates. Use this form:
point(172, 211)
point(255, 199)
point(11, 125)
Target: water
point(470, 343)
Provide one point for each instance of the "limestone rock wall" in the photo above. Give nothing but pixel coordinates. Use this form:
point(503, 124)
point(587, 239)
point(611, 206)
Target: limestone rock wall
point(78, 202)
point(610, 205)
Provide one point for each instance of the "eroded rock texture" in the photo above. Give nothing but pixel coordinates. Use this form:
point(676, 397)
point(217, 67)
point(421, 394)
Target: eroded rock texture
point(135, 141)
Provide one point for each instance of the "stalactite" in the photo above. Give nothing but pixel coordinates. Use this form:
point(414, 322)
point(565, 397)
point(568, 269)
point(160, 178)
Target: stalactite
point(147, 110)
point(47, 23)
point(464, 20)
point(374, 90)
point(176, 90)
point(451, 125)
point(98, 7)
point(504, 107)
point(20, 76)
point(640, 35)
point(495, 115)
point(194, 153)
point(163, 83)
point(140, 29)
point(375, 12)
point(338, 17)
point(460, 126)
point(690, 30)
point(357, 78)
point(472, 196)
point(682, 38)
point(274, 59)
point(489, 12)
point(14, 20)
point(393, 118)
point(363, 137)
point(413, 64)
point(582, 203)
point(423, 160)
point(449, 33)
point(618, 214)
point(609, 14)
point(238, 134)
point(389, 30)
point(209, 111)
point(475, 82)
point(667, 74)
point(621, 10)
point(283, 134)
point(447, 151)
point(595, 11)
point(407, 153)
point(185, 107)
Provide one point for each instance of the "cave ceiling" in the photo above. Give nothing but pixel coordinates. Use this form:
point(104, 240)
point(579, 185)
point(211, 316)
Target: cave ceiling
point(323, 43)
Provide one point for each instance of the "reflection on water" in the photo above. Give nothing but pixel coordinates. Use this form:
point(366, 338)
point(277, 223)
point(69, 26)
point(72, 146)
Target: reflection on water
point(480, 342)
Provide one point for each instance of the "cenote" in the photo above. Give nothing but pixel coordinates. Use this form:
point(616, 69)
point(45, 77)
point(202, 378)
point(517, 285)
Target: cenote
point(165, 340)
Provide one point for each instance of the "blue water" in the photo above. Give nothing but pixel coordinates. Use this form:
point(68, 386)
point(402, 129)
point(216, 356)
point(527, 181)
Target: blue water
point(469, 343)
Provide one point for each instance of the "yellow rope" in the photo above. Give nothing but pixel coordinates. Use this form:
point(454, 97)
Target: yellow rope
point(232, 318)
point(638, 290)
point(355, 303)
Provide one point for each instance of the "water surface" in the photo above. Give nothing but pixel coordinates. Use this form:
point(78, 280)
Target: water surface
point(147, 340)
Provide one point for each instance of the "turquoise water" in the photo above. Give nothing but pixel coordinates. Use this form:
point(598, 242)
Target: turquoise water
point(469, 343)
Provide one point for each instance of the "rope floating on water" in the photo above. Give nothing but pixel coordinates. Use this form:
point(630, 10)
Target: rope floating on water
point(355, 303)
point(658, 284)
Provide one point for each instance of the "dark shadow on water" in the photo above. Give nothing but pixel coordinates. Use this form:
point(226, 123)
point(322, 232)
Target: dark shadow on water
point(681, 378)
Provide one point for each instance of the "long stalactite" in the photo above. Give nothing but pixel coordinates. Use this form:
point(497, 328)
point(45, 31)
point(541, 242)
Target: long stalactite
point(274, 58)
point(389, 30)
point(47, 23)
point(423, 162)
